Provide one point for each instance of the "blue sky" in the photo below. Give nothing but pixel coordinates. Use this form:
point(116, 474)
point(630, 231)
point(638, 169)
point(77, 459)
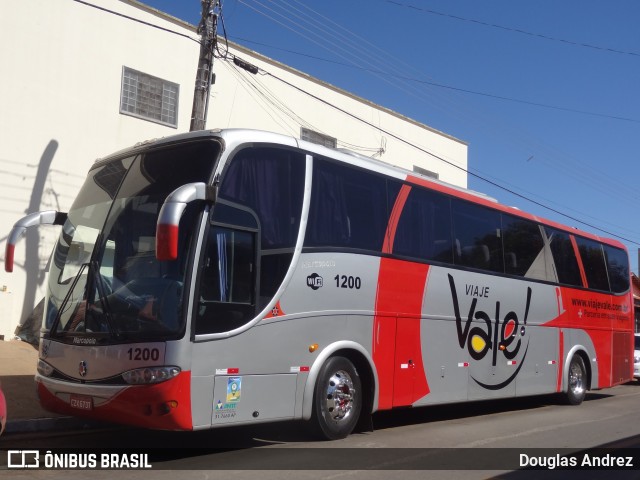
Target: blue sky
point(545, 93)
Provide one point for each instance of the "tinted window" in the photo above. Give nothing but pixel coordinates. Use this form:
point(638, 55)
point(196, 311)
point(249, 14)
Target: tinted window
point(270, 182)
point(618, 267)
point(476, 236)
point(348, 208)
point(594, 263)
point(160, 172)
point(564, 257)
point(424, 228)
point(255, 227)
point(273, 269)
point(226, 297)
point(523, 248)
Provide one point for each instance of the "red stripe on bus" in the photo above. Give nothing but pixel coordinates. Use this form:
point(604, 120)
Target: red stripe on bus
point(400, 292)
point(479, 200)
point(394, 218)
point(576, 252)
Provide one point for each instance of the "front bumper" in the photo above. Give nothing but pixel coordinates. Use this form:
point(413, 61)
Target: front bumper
point(162, 406)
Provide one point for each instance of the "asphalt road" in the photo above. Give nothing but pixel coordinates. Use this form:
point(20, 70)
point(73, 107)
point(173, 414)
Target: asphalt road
point(478, 440)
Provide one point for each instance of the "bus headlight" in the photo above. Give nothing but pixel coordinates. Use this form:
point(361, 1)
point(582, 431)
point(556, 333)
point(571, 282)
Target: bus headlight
point(44, 368)
point(149, 375)
point(636, 358)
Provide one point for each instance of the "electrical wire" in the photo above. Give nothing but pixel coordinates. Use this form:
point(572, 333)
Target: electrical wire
point(450, 87)
point(325, 33)
point(224, 32)
point(148, 24)
point(514, 30)
point(272, 105)
point(320, 25)
point(476, 175)
point(323, 23)
point(319, 35)
point(479, 177)
point(259, 102)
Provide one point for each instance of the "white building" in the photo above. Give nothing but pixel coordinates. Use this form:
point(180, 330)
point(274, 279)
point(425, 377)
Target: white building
point(74, 79)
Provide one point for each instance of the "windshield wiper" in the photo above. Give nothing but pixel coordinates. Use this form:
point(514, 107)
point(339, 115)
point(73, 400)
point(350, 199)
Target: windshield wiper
point(94, 279)
point(63, 306)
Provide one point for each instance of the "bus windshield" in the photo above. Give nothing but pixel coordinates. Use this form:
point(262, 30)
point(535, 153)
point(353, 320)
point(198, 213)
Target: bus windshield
point(105, 281)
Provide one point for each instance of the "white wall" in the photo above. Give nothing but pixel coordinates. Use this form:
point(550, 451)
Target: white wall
point(61, 82)
point(62, 67)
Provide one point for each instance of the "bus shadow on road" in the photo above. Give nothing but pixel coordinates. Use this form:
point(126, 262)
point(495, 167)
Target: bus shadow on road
point(251, 436)
point(169, 449)
point(441, 413)
point(300, 432)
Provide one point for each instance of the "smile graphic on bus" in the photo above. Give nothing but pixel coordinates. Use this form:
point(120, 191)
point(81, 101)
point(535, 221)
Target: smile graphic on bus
point(497, 335)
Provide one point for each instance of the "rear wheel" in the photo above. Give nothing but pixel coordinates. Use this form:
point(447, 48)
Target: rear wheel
point(337, 400)
point(577, 381)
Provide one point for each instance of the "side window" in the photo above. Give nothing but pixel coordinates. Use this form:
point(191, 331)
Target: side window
point(230, 266)
point(476, 237)
point(424, 229)
point(594, 263)
point(618, 268)
point(348, 208)
point(523, 248)
point(564, 257)
point(270, 183)
point(227, 286)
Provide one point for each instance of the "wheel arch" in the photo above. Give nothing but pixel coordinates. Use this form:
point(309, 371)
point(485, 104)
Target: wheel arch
point(365, 367)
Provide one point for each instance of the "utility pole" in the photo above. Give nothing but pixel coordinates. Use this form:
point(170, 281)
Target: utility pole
point(208, 37)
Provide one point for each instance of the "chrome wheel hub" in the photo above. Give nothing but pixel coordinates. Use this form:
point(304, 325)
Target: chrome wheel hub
point(576, 381)
point(340, 396)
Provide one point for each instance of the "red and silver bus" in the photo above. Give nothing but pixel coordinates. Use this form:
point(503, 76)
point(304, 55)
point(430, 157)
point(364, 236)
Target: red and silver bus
point(236, 276)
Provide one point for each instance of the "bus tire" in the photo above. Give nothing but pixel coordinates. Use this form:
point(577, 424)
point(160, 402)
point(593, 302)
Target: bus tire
point(337, 399)
point(576, 381)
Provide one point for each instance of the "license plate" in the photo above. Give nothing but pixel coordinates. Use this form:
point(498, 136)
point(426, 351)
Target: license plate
point(81, 402)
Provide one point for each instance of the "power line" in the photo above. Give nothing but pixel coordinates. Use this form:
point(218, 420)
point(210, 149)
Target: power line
point(426, 82)
point(320, 34)
point(378, 72)
point(360, 50)
point(380, 60)
point(479, 177)
point(515, 30)
point(136, 20)
point(449, 87)
point(278, 106)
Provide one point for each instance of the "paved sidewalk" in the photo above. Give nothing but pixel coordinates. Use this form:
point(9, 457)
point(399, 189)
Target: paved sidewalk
point(18, 363)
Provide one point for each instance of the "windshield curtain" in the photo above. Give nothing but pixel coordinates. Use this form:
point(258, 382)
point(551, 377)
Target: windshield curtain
point(105, 280)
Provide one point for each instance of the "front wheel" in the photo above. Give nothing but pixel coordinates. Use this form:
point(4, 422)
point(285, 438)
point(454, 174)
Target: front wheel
point(337, 399)
point(577, 381)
